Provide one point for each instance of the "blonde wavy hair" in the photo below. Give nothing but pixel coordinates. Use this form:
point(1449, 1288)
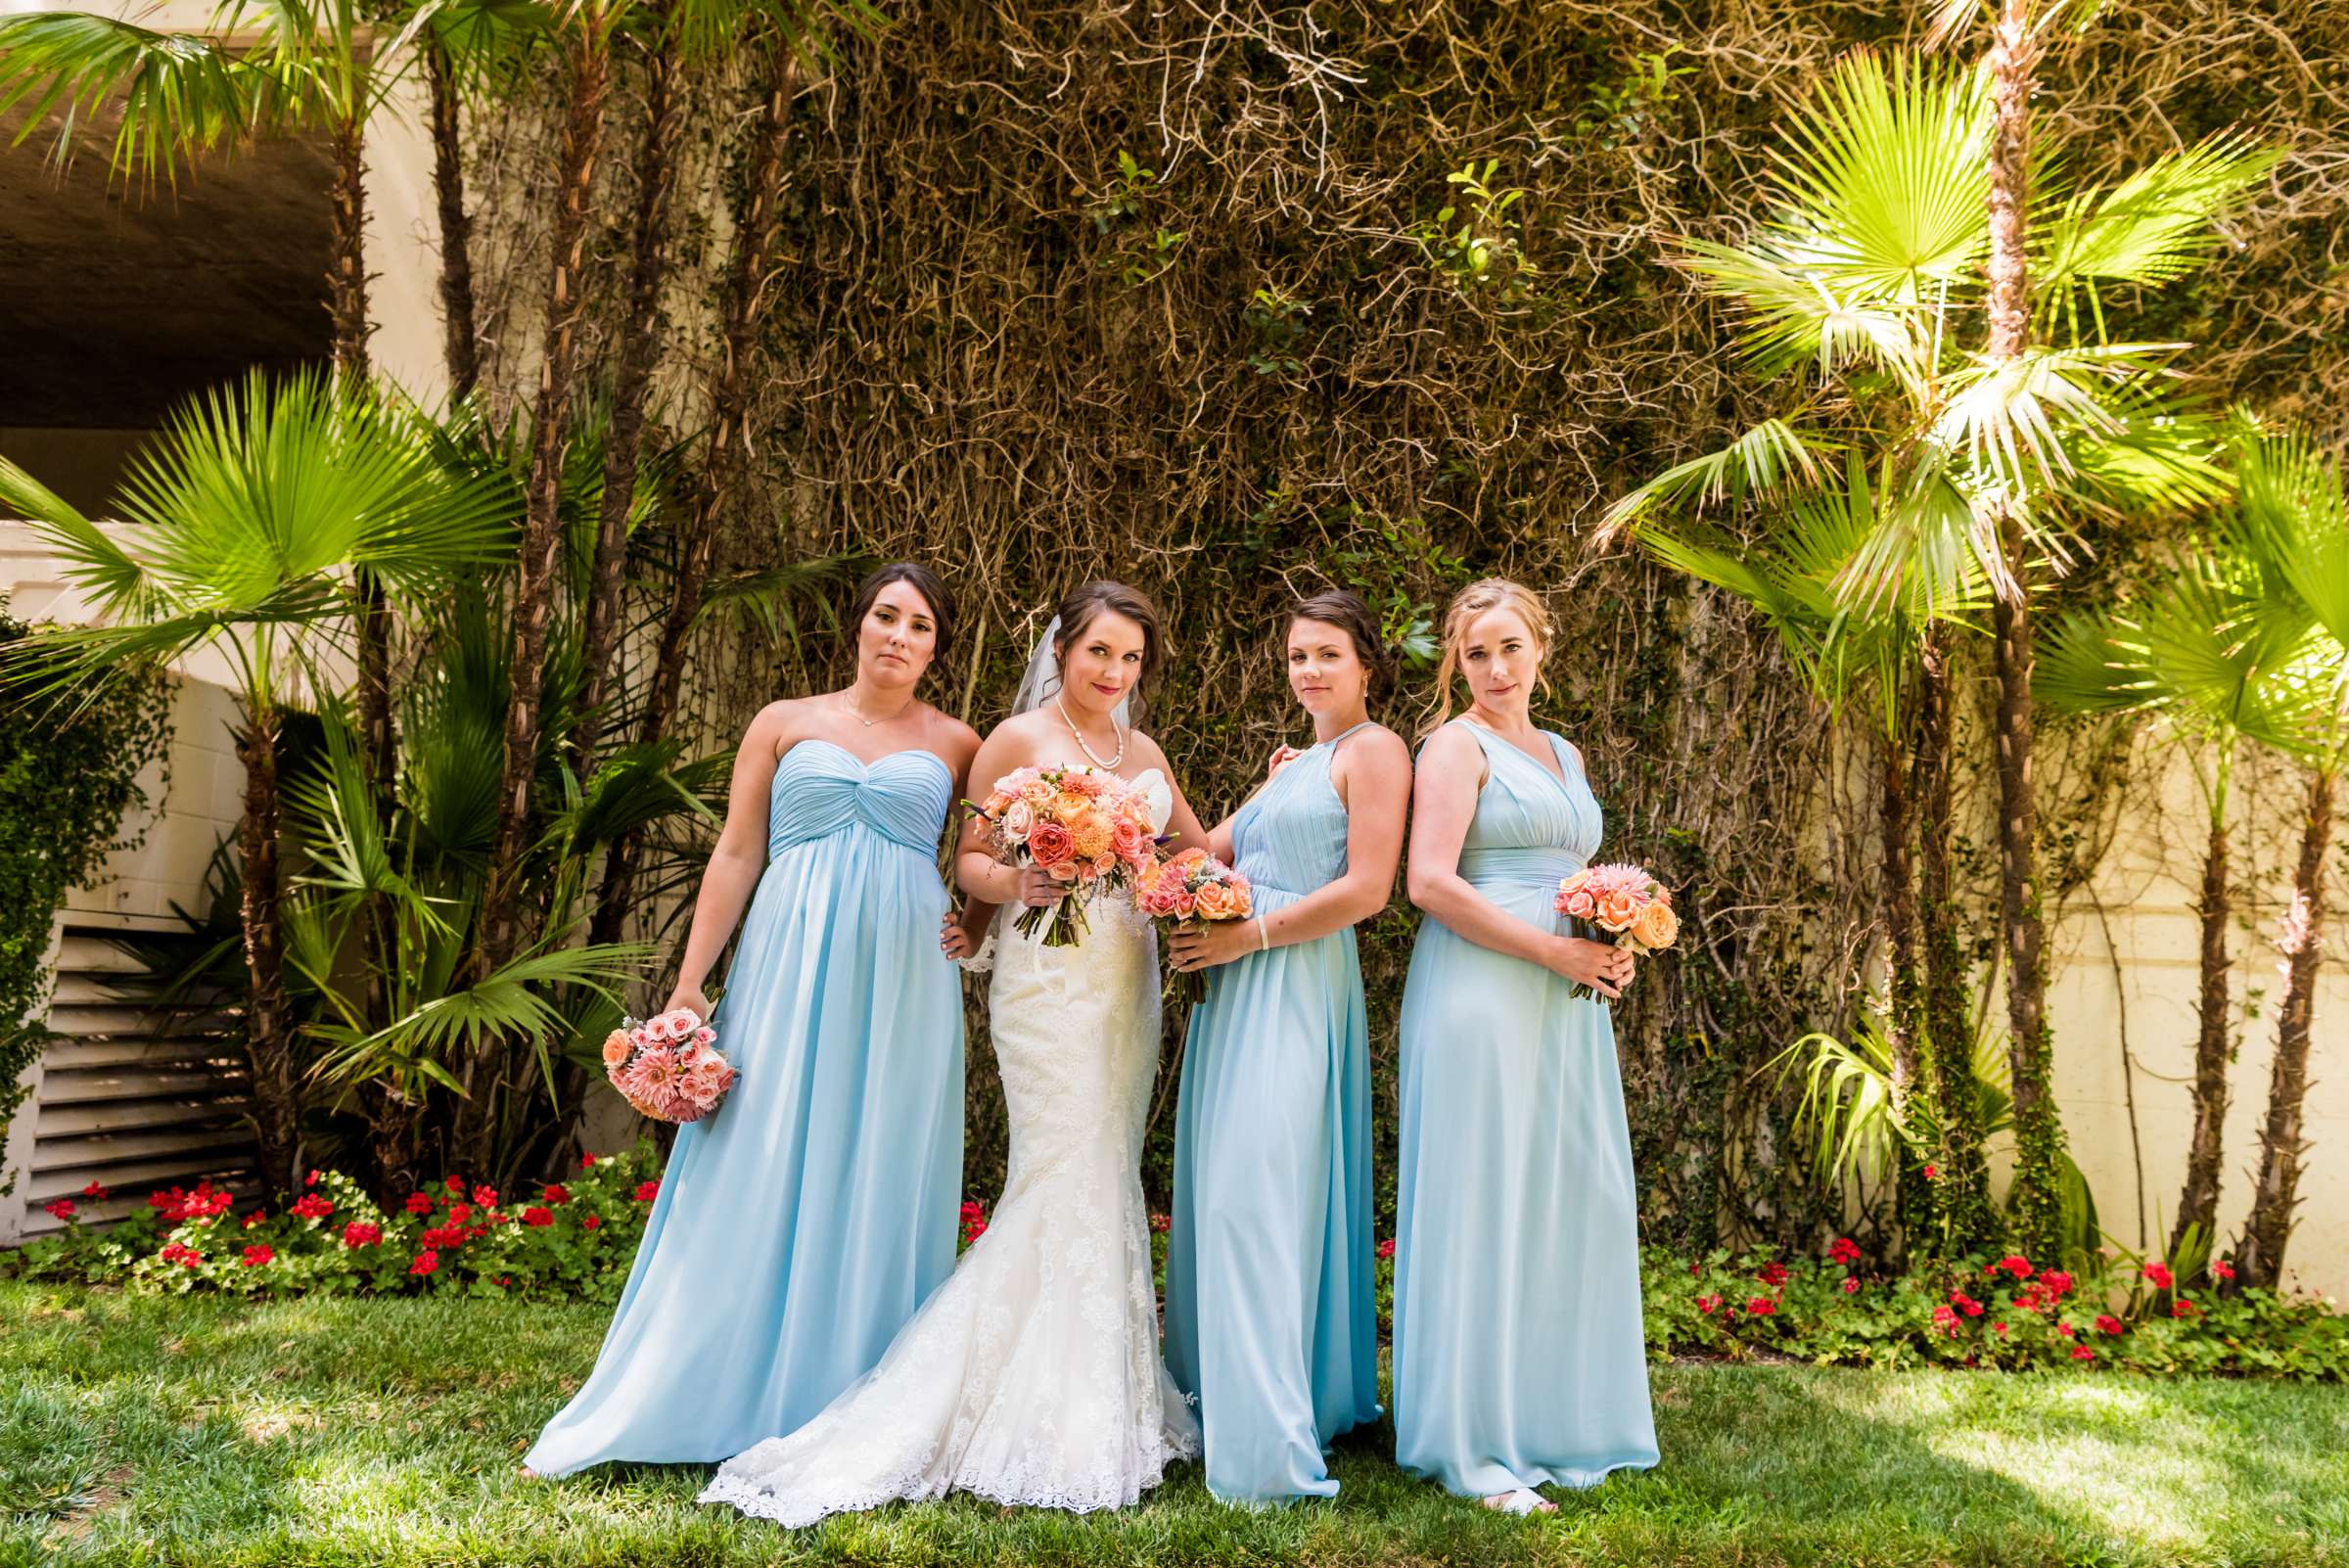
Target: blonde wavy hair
point(1471, 602)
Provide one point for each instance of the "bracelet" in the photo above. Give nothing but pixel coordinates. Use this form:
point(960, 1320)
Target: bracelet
point(1264, 939)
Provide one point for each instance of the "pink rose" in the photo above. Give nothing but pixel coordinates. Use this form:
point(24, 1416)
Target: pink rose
point(1052, 845)
point(1016, 823)
point(616, 1046)
point(1580, 904)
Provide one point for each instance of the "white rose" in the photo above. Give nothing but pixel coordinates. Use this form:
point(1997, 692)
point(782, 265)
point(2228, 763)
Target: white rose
point(1018, 818)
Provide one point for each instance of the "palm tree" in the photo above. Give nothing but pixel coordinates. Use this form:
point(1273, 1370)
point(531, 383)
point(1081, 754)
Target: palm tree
point(1869, 655)
point(2296, 509)
point(1866, 270)
point(249, 515)
point(2211, 650)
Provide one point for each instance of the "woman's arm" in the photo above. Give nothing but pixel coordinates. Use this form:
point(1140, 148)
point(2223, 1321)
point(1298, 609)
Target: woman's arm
point(977, 871)
point(1452, 770)
point(962, 930)
point(1181, 826)
point(1377, 788)
point(739, 859)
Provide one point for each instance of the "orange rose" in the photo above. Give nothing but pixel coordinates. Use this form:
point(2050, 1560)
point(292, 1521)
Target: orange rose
point(1038, 794)
point(615, 1047)
point(1616, 910)
point(1051, 844)
point(1221, 900)
point(1656, 927)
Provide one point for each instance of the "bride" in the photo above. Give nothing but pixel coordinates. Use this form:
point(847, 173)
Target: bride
point(1033, 1376)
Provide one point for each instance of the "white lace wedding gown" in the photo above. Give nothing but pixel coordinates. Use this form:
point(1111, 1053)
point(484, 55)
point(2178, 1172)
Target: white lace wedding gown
point(1033, 1376)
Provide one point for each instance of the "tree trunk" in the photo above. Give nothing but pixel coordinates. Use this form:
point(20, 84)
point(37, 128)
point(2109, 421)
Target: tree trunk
point(639, 353)
point(1912, 1083)
point(2198, 1203)
point(729, 407)
point(536, 578)
point(457, 313)
point(729, 392)
point(2039, 1132)
point(2259, 1256)
point(269, 1018)
point(1962, 1190)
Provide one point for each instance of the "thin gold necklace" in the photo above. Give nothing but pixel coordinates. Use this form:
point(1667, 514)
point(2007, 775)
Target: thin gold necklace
point(1083, 746)
point(870, 722)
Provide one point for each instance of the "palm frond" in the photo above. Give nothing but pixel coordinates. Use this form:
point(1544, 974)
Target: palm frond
point(2295, 510)
point(179, 96)
point(509, 1005)
point(2013, 417)
point(2150, 229)
point(1762, 461)
point(776, 600)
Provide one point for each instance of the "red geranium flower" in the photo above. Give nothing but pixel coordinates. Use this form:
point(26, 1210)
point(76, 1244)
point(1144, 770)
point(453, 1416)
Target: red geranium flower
point(61, 1208)
point(2159, 1276)
point(647, 1191)
point(1386, 1248)
point(2018, 1265)
point(2081, 1353)
point(457, 1184)
point(1708, 1305)
point(360, 1233)
point(1845, 1251)
point(255, 1218)
point(536, 1216)
point(459, 1213)
point(311, 1206)
point(487, 1197)
point(1946, 1320)
point(1761, 1306)
point(1850, 1286)
point(2218, 1270)
point(257, 1254)
point(2065, 1329)
point(96, 1193)
point(1162, 1222)
point(592, 1221)
point(1772, 1274)
point(440, 1237)
point(1932, 1172)
point(2057, 1281)
point(586, 1162)
point(1997, 1329)
point(177, 1254)
point(2182, 1308)
point(2106, 1324)
point(425, 1263)
point(310, 1180)
point(557, 1194)
point(419, 1203)
point(1966, 1304)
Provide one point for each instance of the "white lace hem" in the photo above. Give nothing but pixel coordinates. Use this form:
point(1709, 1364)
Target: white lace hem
point(916, 1485)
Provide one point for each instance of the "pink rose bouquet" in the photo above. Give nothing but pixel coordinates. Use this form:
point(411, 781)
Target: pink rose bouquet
point(1082, 828)
point(1191, 890)
point(668, 1067)
point(1624, 901)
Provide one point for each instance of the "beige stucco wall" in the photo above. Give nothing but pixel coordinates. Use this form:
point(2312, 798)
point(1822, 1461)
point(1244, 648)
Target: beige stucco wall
point(2146, 982)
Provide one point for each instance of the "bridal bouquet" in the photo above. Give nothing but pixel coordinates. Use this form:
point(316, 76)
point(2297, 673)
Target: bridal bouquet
point(668, 1067)
point(1193, 888)
point(1080, 827)
point(1625, 901)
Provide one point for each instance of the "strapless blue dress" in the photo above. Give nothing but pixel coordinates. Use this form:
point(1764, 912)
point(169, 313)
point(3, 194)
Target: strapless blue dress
point(1519, 1352)
point(1270, 1315)
point(798, 1228)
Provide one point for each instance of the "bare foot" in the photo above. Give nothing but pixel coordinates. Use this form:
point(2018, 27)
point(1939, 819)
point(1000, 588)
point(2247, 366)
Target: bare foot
point(529, 1474)
point(1523, 1500)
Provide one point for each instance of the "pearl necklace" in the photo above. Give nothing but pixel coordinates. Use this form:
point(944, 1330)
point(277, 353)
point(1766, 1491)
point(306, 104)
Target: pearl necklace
point(1108, 766)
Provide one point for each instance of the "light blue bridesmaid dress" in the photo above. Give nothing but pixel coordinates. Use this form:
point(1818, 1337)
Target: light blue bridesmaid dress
point(1270, 1319)
point(1519, 1354)
point(798, 1228)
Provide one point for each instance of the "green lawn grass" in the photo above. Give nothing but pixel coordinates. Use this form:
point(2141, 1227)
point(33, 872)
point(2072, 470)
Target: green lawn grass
point(203, 1430)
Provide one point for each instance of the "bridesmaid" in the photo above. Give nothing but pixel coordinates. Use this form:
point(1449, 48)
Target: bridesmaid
point(1519, 1358)
point(1269, 1315)
point(801, 1225)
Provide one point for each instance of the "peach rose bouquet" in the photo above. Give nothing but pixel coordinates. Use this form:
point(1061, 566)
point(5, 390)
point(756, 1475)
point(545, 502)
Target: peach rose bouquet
point(668, 1067)
point(1191, 890)
point(1625, 901)
point(1080, 827)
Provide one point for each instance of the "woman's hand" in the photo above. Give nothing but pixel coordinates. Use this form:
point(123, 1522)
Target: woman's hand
point(1037, 888)
point(1218, 942)
point(1283, 757)
point(1600, 965)
point(688, 996)
point(953, 939)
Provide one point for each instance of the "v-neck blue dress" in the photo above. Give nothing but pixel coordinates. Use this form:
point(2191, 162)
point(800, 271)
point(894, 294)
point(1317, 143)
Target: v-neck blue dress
point(1272, 1320)
point(1519, 1353)
point(798, 1228)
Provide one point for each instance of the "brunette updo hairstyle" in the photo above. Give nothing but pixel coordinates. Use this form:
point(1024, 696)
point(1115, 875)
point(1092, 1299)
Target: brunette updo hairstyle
point(922, 581)
point(1344, 609)
point(1467, 606)
point(1085, 604)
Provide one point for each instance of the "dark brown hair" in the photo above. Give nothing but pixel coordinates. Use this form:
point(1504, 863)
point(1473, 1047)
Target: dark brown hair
point(1087, 604)
point(922, 581)
point(1344, 609)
